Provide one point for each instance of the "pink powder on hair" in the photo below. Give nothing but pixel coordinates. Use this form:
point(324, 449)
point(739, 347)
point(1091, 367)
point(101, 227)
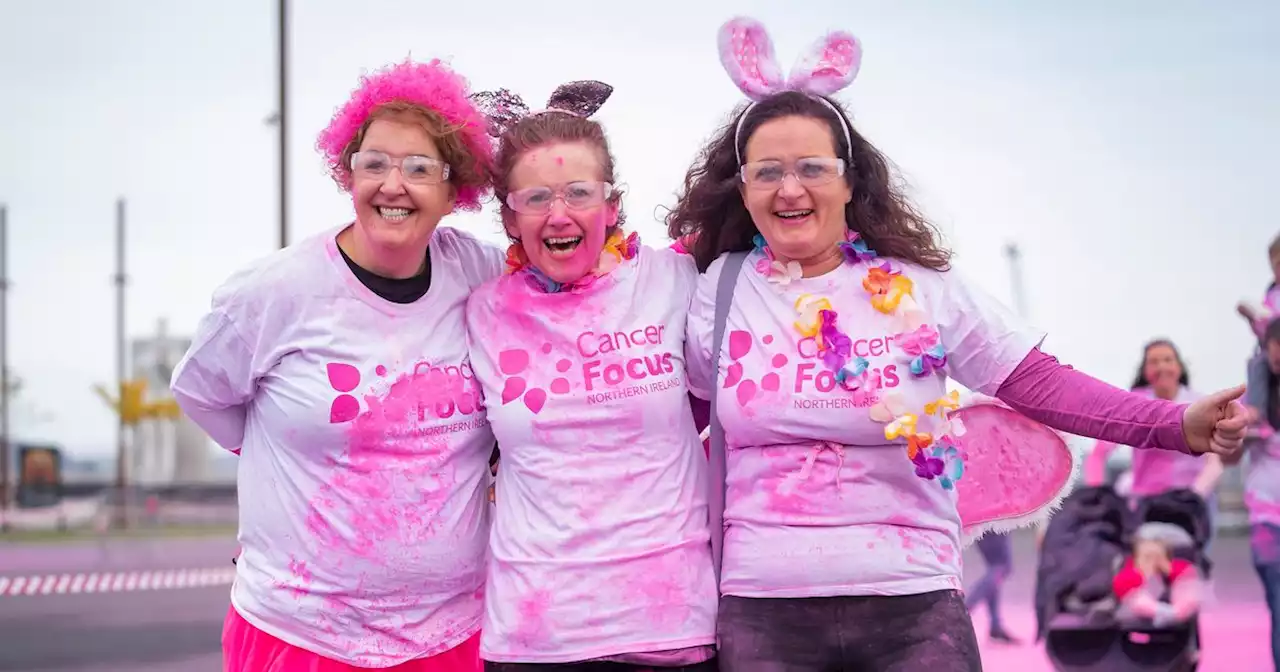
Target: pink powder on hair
point(432, 85)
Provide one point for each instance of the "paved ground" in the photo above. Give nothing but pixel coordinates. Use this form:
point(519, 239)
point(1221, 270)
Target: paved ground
point(153, 631)
point(114, 605)
point(110, 554)
point(159, 626)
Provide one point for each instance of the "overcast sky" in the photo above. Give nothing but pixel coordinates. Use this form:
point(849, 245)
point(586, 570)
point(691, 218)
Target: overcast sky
point(1133, 153)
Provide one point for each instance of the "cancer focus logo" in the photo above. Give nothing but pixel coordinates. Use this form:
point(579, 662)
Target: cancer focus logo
point(740, 344)
point(514, 363)
point(435, 391)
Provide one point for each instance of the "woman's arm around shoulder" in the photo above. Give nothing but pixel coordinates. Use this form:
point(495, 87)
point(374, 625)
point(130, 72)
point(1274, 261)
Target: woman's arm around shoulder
point(480, 260)
point(700, 362)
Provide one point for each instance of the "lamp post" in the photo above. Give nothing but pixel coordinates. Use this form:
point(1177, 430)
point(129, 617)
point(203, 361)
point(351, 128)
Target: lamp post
point(5, 455)
point(282, 114)
point(120, 280)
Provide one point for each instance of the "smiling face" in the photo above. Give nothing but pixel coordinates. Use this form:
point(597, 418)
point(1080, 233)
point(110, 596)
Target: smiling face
point(396, 216)
point(565, 241)
point(1162, 370)
point(802, 223)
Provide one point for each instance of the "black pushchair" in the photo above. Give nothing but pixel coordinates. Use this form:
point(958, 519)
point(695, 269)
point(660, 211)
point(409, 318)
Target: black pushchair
point(1085, 544)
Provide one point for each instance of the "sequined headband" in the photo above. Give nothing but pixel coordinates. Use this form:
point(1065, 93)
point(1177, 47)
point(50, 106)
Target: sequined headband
point(505, 109)
point(830, 64)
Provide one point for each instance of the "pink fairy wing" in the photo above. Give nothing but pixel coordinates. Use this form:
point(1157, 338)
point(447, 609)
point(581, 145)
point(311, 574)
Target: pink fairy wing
point(747, 55)
point(1017, 471)
point(828, 66)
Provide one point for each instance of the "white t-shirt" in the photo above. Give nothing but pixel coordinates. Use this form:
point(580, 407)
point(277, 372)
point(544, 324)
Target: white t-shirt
point(819, 503)
point(600, 543)
point(364, 463)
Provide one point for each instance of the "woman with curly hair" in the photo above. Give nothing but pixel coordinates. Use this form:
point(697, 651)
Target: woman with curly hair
point(841, 545)
point(338, 369)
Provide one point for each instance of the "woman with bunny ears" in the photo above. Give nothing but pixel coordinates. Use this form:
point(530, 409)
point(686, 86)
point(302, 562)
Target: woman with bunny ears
point(599, 556)
point(338, 369)
point(823, 330)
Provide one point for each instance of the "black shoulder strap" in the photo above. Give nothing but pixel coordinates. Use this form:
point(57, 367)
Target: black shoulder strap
point(716, 492)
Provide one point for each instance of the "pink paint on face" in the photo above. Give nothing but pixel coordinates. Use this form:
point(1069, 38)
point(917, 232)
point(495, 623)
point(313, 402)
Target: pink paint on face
point(555, 166)
point(385, 239)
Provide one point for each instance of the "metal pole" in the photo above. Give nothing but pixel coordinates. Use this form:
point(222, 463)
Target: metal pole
point(282, 43)
point(5, 454)
point(1018, 289)
point(120, 281)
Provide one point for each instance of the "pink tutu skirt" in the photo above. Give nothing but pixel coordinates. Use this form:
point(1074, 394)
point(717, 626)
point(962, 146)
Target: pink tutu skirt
point(248, 649)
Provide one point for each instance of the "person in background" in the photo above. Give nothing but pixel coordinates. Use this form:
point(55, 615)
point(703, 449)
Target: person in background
point(1162, 375)
point(841, 532)
point(997, 553)
point(1153, 583)
point(1259, 317)
point(338, 369)
point(1262, 482)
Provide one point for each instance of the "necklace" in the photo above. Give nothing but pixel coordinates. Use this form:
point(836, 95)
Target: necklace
point(935, 454)
point(617, 249)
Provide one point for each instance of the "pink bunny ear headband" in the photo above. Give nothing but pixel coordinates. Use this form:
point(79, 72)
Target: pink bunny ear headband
point(505, 109)
point(830, 64)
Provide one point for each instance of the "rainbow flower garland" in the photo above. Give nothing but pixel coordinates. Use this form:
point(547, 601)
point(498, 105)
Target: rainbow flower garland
point(616, 249)
point(935, 454)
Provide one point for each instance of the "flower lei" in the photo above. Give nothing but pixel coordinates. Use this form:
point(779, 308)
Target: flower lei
point(617, 248)
point(935, 454)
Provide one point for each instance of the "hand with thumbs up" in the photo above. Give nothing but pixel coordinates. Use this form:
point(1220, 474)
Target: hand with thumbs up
point(1216, 424)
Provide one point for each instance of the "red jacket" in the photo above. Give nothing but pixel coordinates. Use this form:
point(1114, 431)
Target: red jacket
point(1129, 579)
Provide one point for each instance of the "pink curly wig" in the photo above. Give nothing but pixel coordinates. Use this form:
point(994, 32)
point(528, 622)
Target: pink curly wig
point(432, 85)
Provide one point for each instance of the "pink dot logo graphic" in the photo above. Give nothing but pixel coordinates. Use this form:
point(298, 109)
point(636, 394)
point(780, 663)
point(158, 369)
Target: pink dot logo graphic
point(513, 364)
point(343, 378)
point(740, 343)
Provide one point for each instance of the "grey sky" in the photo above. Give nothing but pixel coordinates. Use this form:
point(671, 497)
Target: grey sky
point(1132, 152)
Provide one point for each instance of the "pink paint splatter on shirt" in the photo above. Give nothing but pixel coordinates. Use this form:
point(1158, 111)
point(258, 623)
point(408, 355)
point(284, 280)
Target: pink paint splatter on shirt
point(532, 630)
point(302, 575)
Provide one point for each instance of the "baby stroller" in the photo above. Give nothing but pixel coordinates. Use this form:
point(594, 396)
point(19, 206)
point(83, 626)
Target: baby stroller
point(1085, 544)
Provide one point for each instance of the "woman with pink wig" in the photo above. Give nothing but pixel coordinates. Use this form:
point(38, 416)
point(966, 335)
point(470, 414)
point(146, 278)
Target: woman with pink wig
point(337, 368)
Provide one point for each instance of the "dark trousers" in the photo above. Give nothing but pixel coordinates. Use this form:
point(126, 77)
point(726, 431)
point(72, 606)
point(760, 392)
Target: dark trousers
point(909, 633)
point(709, 666)
point(997, 552)
point(1265, 544)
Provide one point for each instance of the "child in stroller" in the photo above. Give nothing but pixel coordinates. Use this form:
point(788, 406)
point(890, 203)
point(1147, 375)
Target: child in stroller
point(1155, 586)
point(1084, 623)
